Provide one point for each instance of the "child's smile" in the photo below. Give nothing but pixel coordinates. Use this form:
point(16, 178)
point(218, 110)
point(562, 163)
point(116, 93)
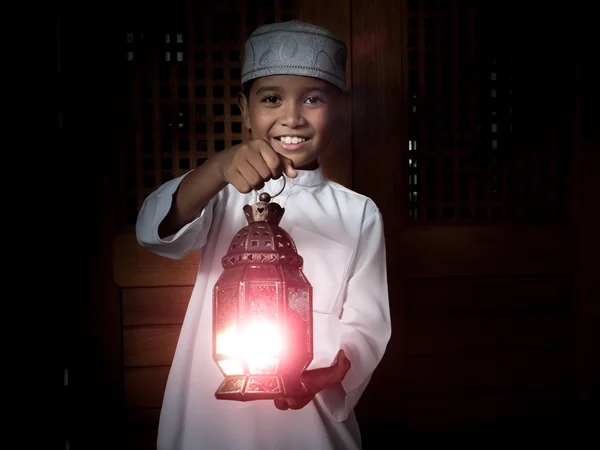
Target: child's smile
point(291, 142)
point(294, 114)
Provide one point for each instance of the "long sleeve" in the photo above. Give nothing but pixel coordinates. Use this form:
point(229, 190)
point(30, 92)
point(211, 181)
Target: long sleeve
point(365, 325)
point(191, 237)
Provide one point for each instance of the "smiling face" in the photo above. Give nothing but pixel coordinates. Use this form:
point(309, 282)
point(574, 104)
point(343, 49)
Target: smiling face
point(293, 113)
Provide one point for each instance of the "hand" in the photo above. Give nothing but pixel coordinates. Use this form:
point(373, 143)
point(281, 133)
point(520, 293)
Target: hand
point(248, 165)
point(316, 380)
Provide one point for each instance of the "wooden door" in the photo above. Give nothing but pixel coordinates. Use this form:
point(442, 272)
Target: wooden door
point(462, 134)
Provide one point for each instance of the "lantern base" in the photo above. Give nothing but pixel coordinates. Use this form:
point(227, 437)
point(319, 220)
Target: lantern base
point(260, 387)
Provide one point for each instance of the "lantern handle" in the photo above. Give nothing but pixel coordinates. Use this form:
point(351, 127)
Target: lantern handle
point(266, 197)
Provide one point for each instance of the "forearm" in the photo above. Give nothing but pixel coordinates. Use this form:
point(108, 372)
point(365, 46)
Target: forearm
point(194, 193)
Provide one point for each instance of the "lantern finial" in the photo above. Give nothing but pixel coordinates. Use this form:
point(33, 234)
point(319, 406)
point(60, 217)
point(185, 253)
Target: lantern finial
point(264, 212)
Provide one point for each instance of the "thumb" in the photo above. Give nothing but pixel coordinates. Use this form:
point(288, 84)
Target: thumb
point(343, 363)
point(288, 167)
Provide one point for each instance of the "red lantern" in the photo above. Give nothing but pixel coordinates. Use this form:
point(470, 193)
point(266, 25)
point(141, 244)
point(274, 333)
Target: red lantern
point(262, 311)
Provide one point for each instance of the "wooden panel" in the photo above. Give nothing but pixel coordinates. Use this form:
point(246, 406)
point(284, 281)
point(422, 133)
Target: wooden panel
point(149, 346)
point(487, 295)
point(378, 128)
point(144, 387)
point(141, 428)
point(470, 251)
point(379, 171)
point(549, 432)
point(466, 334)
point(336, 160)
point(135, 266)
point(472, 411)
point(489, 372)
point(155, 306)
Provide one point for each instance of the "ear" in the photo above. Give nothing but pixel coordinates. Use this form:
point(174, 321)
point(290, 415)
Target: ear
point(243, 104)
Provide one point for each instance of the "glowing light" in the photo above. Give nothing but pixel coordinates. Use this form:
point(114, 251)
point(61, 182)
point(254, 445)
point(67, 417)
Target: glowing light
point(227, 342)
point(258, 346)
point(232, 366)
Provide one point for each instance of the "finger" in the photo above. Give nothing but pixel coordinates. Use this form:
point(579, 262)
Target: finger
point(281, 404)
point(271, 158)
point(299, 403)
point(288, 167)
point(343, 364)
point(291, 402)
point(239, 182)
point(341, 357)
point(318, 379)
point(251, 176)
point(258, 162)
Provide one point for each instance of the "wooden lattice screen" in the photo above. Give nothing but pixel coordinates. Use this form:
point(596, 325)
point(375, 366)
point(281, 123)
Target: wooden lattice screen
point(182, 78)
point(182, 74)
point(468, 155)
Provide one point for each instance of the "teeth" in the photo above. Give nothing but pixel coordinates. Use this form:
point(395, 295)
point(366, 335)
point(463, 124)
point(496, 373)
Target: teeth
point(291, 140)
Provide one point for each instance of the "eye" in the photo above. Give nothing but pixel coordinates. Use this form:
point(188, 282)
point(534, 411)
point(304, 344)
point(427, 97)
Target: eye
point(270, 99)
point(313, 100)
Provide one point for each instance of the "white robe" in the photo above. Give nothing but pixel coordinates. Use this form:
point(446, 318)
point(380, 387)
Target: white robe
point(339, 233)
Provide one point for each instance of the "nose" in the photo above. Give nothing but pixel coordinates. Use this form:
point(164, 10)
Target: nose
point(291, 115)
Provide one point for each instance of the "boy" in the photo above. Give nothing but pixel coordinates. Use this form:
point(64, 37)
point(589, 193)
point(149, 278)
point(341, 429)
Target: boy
point(293, 77)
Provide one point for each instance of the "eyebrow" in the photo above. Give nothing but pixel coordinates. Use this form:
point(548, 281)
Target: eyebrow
point(324, 90)
point(267, 88)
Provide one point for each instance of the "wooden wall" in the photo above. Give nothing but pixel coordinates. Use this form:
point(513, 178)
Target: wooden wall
point(486, 200)
point(154, 298)
point(456, 136)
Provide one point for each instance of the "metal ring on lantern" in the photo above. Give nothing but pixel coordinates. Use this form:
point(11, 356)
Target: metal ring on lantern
point(266, 197)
